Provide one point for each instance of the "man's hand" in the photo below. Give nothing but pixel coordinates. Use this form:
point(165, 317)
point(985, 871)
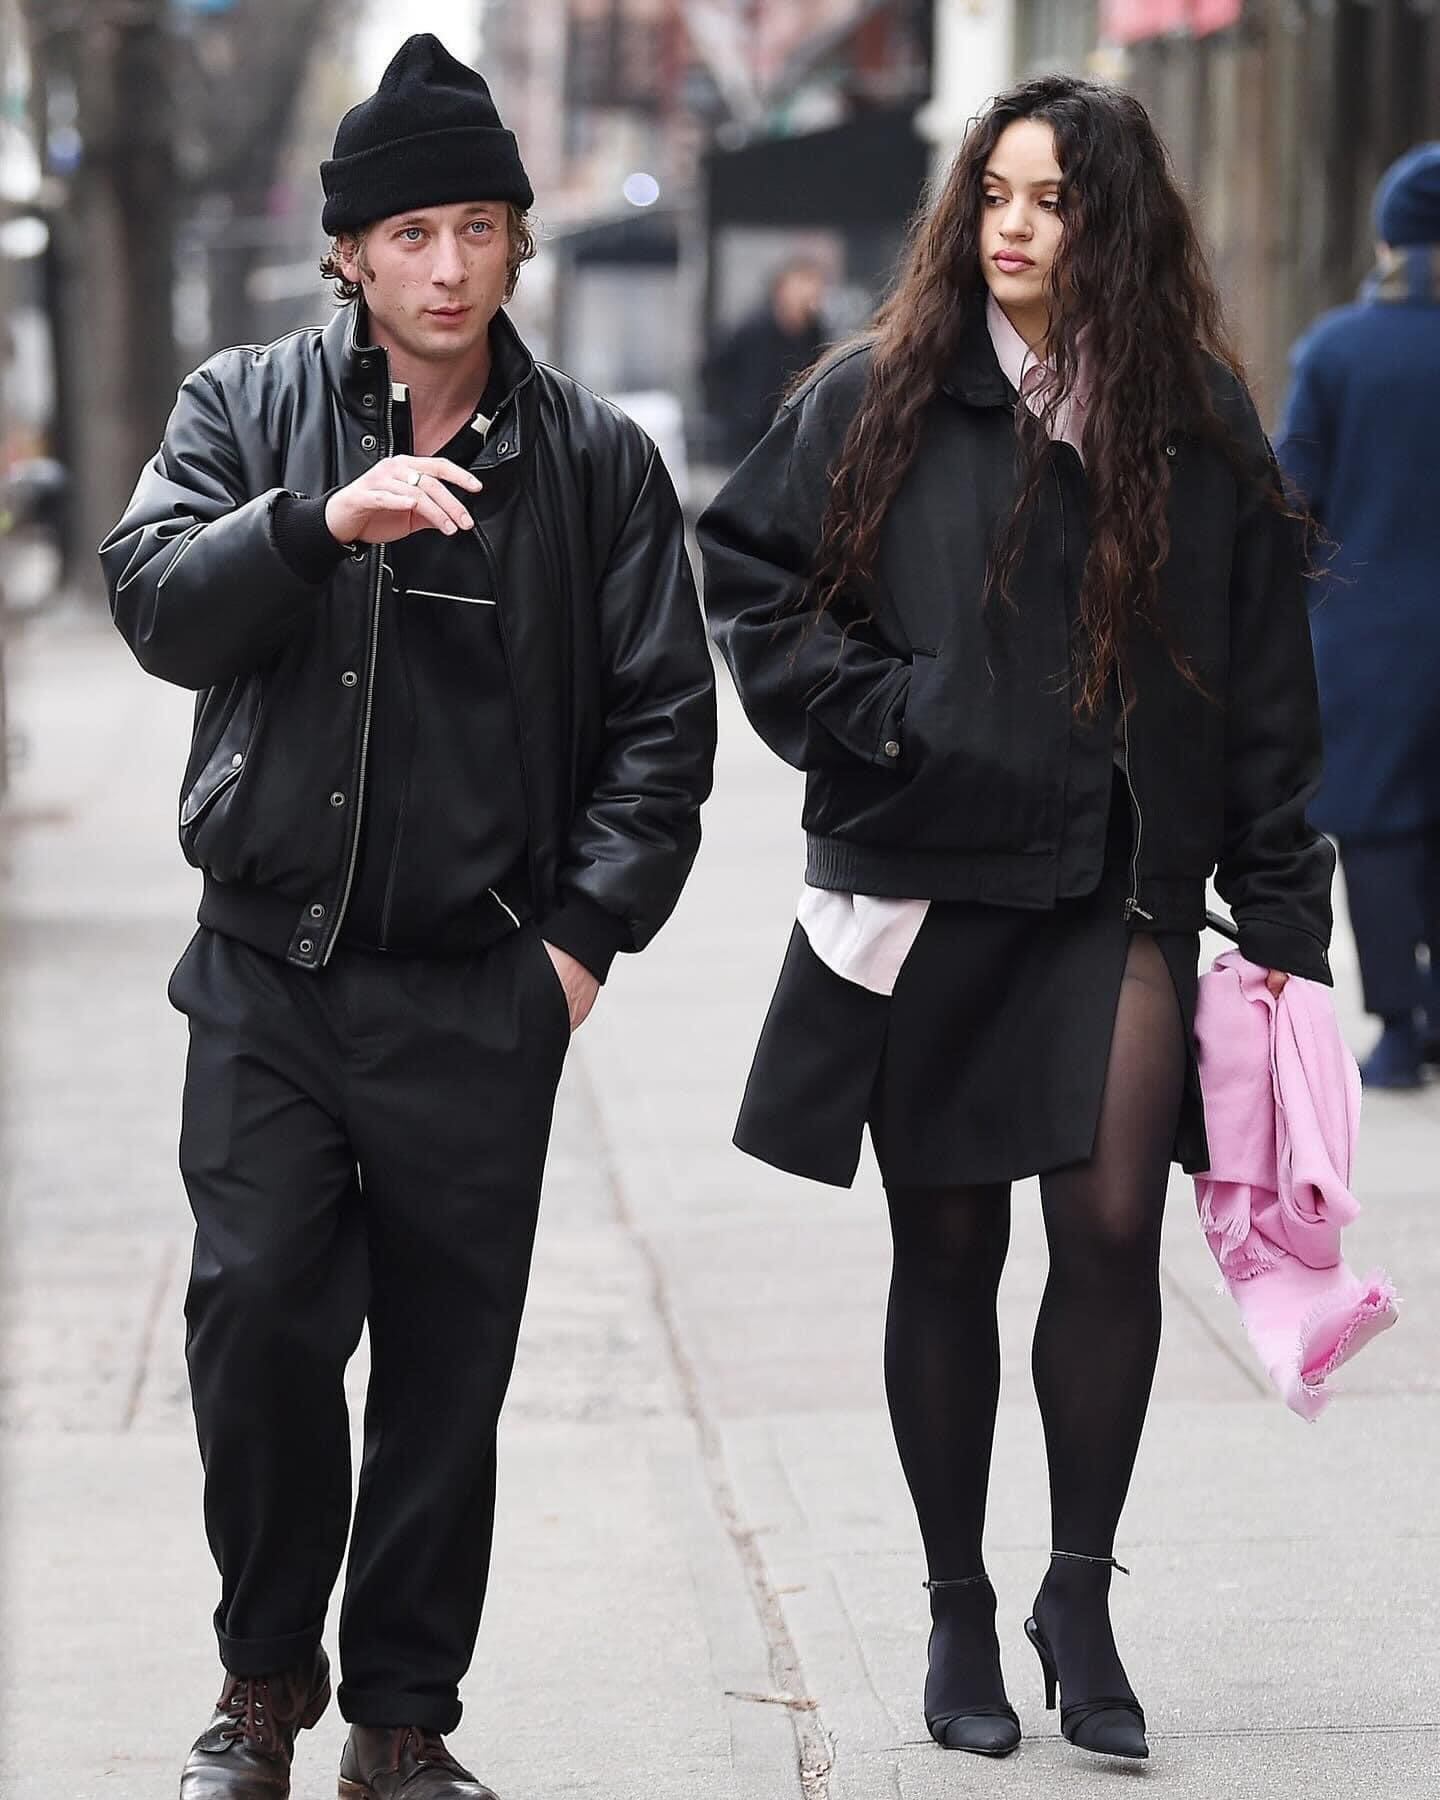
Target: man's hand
point(581, 987)
point(398, 497)
point(1275, 981)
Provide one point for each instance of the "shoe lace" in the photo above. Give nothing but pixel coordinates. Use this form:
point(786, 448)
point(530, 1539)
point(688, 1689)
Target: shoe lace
point(426, 1747)
point(250, 1707)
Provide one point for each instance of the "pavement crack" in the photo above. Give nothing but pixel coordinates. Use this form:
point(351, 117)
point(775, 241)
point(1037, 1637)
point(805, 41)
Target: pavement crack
point(772, 1700)
point(1177, 1291)
point(149, 1326)
point(814, 1746)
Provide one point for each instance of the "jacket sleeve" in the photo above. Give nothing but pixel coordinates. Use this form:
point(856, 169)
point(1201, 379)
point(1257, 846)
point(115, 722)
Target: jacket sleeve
point(199, 586)
point(1275, 869)
point(637, 832)
point(820, 692)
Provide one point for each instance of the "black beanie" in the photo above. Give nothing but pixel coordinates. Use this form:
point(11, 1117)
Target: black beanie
point(429, 137)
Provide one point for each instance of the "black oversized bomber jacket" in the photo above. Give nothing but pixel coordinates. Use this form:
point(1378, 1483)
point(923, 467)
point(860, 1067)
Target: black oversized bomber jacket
point(603, 640)
point(935, 730)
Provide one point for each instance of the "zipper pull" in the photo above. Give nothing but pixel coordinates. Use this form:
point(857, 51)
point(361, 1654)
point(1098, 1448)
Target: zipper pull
point(1134, 910)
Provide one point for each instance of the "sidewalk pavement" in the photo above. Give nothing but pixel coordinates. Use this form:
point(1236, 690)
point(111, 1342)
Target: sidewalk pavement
point(707, 1573)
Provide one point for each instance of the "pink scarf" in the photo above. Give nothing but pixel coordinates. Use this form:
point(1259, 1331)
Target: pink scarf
point(1282, 1113)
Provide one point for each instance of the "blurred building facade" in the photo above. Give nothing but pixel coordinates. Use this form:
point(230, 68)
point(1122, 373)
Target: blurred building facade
point(1280, 114)
point(681, 149)
point(1282, 118)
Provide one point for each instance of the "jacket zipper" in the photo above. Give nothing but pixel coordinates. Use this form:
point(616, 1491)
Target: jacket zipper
point(1133, 908)
point(379, 553)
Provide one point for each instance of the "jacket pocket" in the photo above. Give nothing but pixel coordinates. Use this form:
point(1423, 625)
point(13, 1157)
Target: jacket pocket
point(918, 731)
point(983, 771)
point(221, 770)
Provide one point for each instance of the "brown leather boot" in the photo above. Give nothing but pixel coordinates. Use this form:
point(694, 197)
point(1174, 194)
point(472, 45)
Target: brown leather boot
point(404, 1764)
point(244, 1753)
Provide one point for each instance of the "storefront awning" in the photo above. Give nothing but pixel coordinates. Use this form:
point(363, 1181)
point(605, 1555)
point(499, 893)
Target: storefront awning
point(1130, 21)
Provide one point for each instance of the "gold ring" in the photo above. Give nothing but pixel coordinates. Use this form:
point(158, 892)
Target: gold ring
point(413, 478)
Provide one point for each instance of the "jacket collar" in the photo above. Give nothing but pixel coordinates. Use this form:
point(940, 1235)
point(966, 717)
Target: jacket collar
point(358, 369)
point(975, 375)
point(1406, 277)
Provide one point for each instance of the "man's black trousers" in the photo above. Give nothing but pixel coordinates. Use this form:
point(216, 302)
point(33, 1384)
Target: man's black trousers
point(360, 1145)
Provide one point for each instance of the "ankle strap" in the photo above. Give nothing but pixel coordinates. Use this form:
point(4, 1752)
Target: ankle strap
point(964, 1581)
point(1107, 1562)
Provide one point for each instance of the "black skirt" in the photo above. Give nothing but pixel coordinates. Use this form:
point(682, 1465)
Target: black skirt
point(986, 1064)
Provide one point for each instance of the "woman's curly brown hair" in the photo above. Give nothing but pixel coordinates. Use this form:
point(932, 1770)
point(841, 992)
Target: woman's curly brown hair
point(524, 242)
point(1138, 295)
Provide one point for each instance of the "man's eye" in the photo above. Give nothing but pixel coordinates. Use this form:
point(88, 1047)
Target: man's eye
point(481, 225)
point(412, 234)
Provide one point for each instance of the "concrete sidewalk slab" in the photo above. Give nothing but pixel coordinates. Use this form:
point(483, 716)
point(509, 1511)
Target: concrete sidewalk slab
point(1279, 1622)
point(707, 1575)
point(622, 1654)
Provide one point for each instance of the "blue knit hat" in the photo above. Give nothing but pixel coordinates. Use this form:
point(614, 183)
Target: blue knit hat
point(1407, 201)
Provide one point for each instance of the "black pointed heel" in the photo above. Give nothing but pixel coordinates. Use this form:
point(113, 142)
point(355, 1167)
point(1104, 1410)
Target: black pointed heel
point(1105, 1725)
point(992, 1730)
point(1047, 1661)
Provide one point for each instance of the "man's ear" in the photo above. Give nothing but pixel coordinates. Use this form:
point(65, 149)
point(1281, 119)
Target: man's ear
point(351, 251)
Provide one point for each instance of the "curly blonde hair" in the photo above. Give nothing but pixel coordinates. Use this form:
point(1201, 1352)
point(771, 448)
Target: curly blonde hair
point(524, 241)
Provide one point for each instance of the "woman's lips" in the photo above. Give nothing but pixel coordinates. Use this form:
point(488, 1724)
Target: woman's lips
point(1011, 262)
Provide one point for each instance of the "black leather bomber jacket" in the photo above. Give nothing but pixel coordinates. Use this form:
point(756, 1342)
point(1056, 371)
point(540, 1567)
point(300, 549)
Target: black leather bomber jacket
point(603, 639)
point(935, 727)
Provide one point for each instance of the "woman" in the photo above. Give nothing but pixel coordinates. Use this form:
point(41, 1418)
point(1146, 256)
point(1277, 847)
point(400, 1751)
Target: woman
point(1011, 579)
point(1357, 441)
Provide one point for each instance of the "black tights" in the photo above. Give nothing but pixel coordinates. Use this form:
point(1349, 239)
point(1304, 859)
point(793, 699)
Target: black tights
point(1096, 1337)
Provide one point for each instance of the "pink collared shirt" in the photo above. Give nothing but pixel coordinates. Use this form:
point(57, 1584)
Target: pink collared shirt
point(861, 937)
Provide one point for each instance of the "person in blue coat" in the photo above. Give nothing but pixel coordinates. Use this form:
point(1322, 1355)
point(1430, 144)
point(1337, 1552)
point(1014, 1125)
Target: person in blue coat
point(1358, 442)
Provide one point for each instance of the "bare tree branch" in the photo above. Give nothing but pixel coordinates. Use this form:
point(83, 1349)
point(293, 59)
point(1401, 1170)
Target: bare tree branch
point(244, 73)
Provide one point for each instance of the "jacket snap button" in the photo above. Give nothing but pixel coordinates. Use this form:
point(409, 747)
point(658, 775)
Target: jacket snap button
point(368, 402)
point(317, 911)
point(337, 799)
point(236, 760)
point(349, 678)
point(369, 441)
point(306, 946)
point(892, 748)
point(503, 445)
point(1169, 449)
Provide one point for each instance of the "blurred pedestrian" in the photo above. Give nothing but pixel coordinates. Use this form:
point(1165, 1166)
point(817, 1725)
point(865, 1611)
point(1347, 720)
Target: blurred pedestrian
point(1359, 443)
point(1012, 580)
point(752, 370)
point(455, 724)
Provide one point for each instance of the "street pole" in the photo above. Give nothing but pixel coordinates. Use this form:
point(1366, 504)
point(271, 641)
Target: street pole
point(974, 60)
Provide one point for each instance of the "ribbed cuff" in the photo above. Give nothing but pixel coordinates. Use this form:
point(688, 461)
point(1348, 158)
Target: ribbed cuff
point(585, 931)
point(303, 538)
point(1272, 946)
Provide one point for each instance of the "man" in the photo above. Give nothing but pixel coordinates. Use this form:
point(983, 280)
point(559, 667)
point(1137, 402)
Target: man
point(752, 371)
point(455, 724)
point(1358, 441)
